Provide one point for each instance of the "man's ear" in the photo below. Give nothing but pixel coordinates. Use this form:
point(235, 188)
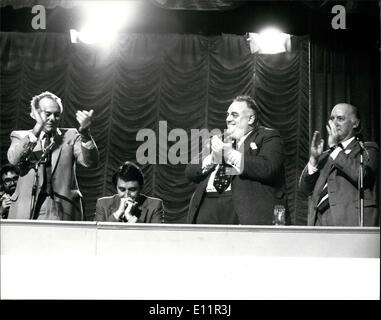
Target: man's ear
point(251, 119)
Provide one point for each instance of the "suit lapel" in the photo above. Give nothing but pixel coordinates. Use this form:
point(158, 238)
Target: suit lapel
point(354, 147)
point(249, 139)
point(244, 148)
point(58, 138)
point(326, 167)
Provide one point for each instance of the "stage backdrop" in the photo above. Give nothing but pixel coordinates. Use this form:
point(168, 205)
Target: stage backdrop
point(186, 80)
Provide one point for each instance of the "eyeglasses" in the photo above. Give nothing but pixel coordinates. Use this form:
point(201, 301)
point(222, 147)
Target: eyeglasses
point(9, 180)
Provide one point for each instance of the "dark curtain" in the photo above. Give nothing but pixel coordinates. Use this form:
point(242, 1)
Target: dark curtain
point(188, 81)
point(345, 69)
point(281, 88)
point(344, 72)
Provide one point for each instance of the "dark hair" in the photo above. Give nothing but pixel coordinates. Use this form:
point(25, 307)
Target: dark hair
point(8, 168)
point(251, 104)
point(129, 171)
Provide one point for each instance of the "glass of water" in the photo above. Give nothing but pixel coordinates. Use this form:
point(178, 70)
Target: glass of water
point(279, 218)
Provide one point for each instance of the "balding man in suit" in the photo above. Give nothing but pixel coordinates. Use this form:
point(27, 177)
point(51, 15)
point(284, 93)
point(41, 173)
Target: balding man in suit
point(331, 177)
point(249, 183)
point(47, 188)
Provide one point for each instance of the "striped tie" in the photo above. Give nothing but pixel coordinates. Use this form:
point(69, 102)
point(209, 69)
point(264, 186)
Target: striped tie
point(323, 202)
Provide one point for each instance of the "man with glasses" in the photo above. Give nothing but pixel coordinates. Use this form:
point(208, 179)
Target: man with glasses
point(9, 174)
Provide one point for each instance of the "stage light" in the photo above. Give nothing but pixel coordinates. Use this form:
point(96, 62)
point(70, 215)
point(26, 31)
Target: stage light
point(103, 20)
point(270, 41)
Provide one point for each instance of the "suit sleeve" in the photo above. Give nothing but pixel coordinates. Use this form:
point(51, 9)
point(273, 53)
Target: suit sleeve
point(86, 153)
point(350, 166)
point(20, 149)
point(307, 181)
point(158, 213)
point(101, 214)
point(266, 165)
point(193, 170)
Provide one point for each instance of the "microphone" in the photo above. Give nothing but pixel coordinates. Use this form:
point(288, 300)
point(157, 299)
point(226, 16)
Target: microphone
point(46, 152)
point(360, 139)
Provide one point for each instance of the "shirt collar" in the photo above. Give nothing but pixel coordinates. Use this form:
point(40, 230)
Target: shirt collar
point(241, 140)
point(347, 142)
point(42, 134)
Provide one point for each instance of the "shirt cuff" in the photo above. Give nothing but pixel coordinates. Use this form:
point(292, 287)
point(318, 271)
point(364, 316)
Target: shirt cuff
point(311, 169)
point(235, 159)
point(133, 219)
point(88, 144)
point(32, 137)
point(207, 161)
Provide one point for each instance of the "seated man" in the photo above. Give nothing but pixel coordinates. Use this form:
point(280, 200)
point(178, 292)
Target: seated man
point(129, 205)
point(9, 174)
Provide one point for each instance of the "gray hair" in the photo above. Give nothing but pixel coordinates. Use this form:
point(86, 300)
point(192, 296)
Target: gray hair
point(36, 99)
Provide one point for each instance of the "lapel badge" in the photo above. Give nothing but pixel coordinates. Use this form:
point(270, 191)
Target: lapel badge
point(253, 146)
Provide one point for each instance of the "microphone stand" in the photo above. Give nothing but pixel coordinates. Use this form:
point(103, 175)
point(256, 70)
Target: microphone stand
point(361, 184)
point(361, 189)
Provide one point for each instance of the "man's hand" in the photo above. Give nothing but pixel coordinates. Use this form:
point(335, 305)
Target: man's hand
point(217, 147)
point(333, 136)
point(40, 118)
point(84, 120)
point(125, 208)
point(122, 207)
point(317, 146)
point(5, 204)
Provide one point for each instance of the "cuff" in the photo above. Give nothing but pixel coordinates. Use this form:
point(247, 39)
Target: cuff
point(234, 158)
point(311, 169)
point(207, 161)
point(32, 137)
point(88, 144)
point(133, 219)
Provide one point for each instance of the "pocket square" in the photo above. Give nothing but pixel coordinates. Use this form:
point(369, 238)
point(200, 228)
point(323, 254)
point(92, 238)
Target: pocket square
point(253, 146)
point(347, 151)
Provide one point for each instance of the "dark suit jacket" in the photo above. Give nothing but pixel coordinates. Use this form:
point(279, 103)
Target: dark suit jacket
point(259, 187)
point(148, 210)
point(67, 152)
point(342, 176)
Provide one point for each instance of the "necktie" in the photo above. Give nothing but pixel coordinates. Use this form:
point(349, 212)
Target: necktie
point(323, 202)
point(222, 180)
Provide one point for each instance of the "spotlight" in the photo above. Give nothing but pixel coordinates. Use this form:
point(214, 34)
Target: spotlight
point(103, 20)
point(270, 41)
